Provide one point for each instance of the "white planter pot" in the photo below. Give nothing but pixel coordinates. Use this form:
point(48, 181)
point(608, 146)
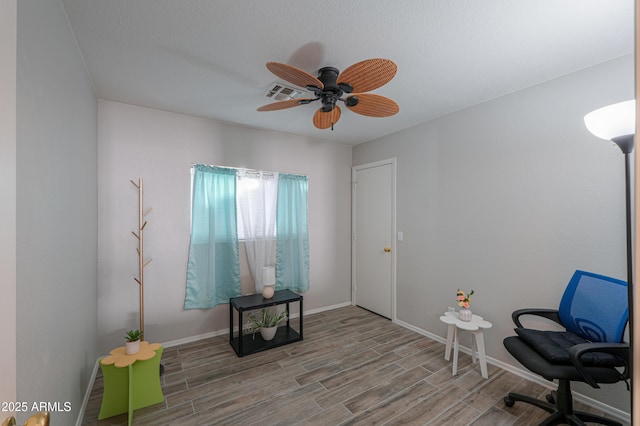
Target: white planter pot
point(465, 315)
point(268, 333)
point(132, 347)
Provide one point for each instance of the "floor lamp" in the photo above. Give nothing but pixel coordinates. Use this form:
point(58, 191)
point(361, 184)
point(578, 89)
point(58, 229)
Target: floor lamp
point(617, 123)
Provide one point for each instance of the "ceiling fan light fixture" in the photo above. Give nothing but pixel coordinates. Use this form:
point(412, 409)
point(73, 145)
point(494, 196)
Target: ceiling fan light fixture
point(328, 104)
point(352, 101)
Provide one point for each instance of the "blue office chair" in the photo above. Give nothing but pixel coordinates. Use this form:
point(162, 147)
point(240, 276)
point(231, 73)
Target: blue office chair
point(594, 311)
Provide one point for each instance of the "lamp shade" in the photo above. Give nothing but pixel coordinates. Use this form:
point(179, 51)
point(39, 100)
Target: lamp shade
point(612, 121)
point(268, 275)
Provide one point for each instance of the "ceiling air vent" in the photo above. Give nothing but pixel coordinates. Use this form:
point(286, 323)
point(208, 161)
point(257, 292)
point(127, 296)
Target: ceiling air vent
point(280, 92)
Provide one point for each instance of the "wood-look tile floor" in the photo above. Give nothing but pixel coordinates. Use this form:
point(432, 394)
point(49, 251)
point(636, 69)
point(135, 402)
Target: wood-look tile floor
point(352, 368)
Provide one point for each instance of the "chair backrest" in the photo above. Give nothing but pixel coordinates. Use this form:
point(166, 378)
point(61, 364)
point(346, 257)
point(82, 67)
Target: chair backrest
point(595, 307)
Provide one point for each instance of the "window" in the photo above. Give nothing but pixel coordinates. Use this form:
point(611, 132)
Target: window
point(256, 197)
point(228, 204)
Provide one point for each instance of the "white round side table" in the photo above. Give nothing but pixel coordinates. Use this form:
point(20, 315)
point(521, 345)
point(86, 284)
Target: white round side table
point(475, 327)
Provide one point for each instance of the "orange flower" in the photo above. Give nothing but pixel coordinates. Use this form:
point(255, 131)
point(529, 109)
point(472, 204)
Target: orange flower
point(463, 300)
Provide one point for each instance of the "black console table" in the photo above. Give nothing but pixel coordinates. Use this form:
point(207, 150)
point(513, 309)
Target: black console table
point(248, 344)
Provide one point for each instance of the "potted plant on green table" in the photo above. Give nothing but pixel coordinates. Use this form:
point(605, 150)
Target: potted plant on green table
point(132, 344)
point(267, 322)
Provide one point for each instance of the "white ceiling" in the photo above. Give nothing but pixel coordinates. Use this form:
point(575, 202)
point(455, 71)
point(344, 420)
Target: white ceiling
point(207, 58)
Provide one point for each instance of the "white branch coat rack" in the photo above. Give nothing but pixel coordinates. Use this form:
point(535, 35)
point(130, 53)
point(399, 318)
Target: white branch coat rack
point(142, 262)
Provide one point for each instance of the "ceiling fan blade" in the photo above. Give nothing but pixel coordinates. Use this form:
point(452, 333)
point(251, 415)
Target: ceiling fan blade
point(274, 106)
point(325, 120)
point(369, 74)
point(373, 105)
point(294, 75)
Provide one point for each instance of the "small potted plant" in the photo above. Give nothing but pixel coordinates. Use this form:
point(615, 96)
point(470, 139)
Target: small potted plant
point(267, 322)
point(132, 345)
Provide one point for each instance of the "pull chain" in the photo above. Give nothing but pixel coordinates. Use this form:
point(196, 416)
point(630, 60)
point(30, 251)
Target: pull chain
point(333, 114)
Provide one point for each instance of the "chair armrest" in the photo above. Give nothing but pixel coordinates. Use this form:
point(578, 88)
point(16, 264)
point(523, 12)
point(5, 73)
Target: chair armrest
point(620, 349)
point(551, 314)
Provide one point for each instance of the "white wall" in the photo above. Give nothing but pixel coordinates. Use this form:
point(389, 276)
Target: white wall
point(8, 47)
point(160, 148)
point(56, 213)
point(509, 198)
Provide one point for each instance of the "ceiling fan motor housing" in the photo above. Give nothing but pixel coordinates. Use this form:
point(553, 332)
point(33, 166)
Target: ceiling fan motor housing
point(332, 92)
point(329, 77)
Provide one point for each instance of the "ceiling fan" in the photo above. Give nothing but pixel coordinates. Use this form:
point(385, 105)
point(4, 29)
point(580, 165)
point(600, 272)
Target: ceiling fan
point(332, 86)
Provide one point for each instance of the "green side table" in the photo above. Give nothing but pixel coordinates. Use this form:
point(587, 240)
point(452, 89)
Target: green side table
point(131, 381)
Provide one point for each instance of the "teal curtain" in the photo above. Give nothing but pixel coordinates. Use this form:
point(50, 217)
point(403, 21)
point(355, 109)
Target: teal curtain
point(213, 269)
point(292, 231)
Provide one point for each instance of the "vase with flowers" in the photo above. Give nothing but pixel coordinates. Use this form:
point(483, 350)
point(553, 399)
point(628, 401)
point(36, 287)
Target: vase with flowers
point(464, 300)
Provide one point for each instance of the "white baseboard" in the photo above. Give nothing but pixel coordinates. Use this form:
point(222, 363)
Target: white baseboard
point(197, 337)
point(87, 394)
point(525, 374)
point(327, 308)
point(183, 341)
point(607, 409)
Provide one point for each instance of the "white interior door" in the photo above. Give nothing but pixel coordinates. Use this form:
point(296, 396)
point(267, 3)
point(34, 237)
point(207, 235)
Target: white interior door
point(373, 237)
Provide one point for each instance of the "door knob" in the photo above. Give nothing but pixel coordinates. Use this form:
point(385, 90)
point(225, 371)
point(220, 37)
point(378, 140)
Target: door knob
point(387, 249)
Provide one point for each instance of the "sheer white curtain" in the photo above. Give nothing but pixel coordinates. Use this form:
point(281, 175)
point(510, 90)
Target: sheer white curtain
point(256, 198)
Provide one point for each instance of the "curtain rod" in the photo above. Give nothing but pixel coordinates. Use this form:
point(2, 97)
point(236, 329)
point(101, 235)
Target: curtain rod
point(256, 173)
point(250, 171)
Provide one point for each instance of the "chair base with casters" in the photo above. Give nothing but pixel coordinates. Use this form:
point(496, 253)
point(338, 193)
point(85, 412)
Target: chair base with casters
point(560, 402)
